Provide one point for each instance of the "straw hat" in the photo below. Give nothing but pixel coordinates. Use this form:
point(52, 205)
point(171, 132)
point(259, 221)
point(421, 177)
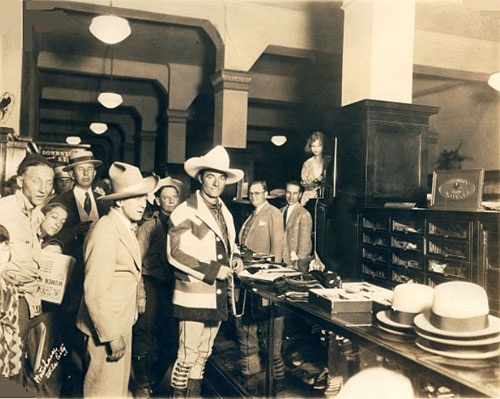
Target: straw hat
point(169, 182)
point(216, 159)
point(59, 172)
point(127, 182)
point(408, 301)
point(79, 157)
point(459, 309)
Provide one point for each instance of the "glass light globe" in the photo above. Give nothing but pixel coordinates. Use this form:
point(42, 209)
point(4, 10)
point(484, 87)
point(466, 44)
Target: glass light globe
point(110, 100)
point(98, 127)
point(494, 80)
point(110, 29)
point(73, 140)
point(278, 140)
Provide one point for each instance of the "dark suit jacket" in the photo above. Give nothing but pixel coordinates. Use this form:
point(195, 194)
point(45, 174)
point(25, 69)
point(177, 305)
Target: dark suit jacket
point(73, 244)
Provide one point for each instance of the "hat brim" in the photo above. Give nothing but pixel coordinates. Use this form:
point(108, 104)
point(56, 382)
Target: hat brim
point(456, 354)
point(168, 182)
point(461, 342)
point(95, 162)
point(422, 321)
point(193, 166)
point(395, 332)
point(383, 316)
point(146, 186)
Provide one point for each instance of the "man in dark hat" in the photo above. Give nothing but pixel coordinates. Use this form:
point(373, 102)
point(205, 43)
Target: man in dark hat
point(109, 305)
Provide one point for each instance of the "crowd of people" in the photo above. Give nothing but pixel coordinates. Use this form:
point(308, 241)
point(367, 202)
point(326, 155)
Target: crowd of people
point(148, 290)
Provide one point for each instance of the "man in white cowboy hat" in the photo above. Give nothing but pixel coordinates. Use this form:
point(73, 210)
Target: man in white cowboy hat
point(112, 272)
point(201, 248)
point(154, 340)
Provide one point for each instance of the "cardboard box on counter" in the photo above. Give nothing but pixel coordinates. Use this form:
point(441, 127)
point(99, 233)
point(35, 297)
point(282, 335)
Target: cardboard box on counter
point(381, 297)
point(337, 300)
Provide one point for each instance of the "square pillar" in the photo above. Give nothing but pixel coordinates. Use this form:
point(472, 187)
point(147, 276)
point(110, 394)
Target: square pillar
point(176, 135)
point(231, 108)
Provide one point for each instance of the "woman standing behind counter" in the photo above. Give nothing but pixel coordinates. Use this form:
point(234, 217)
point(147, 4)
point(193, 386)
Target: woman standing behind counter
point(314, 169)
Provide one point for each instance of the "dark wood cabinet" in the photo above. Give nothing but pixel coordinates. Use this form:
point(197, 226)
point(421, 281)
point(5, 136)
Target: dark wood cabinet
point(430, 247)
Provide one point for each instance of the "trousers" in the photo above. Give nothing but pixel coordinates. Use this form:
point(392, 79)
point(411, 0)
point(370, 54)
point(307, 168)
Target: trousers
point(196, 340)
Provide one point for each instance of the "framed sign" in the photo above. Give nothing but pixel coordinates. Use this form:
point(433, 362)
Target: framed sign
point(457, 189)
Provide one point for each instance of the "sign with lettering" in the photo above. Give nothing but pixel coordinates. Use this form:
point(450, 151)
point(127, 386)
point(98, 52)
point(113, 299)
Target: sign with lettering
point(54, 271)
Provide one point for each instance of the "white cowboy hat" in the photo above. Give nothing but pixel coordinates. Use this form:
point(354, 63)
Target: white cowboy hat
point(127, 182)
point(168, 182)
point(60, 172)
point(408, 300)
point(459, 310)
point(79, 157)
point(216, 159)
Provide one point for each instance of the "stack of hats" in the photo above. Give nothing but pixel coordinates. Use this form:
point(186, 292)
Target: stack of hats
point(459, 325)
point(407, 302)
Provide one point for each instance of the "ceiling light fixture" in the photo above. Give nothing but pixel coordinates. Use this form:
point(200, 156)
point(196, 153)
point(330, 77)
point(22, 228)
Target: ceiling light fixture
point(73, 140)
point(110, 99)
point(110, 29)
point(278, 140)
point(494, 80)
point(98, 127)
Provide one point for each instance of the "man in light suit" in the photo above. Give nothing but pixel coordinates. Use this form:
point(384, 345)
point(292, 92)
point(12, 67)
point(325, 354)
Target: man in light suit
point(298, 228)
point(201, 248)
point(112, 272)
point(262, 232)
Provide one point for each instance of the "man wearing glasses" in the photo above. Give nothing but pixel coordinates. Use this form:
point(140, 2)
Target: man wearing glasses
point(262, 232)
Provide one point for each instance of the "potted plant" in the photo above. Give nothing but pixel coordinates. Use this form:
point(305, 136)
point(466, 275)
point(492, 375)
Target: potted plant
point(451, 159)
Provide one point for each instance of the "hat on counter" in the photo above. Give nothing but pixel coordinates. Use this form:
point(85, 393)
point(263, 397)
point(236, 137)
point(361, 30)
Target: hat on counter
point(127, 182)
point(408, 301)
point(216, 159)
point(459, 324)
point(79, 157)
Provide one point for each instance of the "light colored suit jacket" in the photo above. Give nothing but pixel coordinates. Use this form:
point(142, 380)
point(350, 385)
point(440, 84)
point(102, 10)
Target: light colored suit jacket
point(266, 233)
point(298, 235)
point(196, 249)
point(112, 271)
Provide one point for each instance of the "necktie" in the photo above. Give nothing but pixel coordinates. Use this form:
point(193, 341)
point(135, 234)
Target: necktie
point(285, 214)
point(216, 210)
point(87, 204)
point(246, 229)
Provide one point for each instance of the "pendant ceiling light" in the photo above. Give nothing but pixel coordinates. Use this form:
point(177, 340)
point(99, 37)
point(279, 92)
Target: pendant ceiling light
point(494, 80)
point(110, 29)
point(73, 140)
point(278, 140)
point(110, 99)
point(98, 127)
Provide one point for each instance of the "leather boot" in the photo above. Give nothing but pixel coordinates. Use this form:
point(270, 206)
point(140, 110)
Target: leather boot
point(141, 364)
point(194, 388)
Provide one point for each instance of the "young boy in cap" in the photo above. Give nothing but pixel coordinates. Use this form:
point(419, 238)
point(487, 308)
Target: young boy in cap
point(201, 248)
point(112, 272)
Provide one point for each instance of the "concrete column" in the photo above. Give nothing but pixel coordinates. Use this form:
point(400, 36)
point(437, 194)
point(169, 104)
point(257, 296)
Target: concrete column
point(378, 50)
point(231, 108)
point(147, 161)
point(11, 57)
point(176, 136)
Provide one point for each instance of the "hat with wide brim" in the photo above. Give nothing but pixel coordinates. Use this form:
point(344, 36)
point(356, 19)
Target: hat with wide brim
point(216, 159)
point(127, 182)
point(473, 341)
point(169, 182)
point(59, 172)
point(80, 157)
point(402, 333)
point(472, 353)
point(383, 316)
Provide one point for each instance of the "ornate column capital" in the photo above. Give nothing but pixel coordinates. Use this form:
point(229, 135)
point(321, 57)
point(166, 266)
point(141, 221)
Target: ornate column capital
point(227, 79)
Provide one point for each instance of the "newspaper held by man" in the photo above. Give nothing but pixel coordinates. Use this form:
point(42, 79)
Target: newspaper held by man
point(54, 272)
